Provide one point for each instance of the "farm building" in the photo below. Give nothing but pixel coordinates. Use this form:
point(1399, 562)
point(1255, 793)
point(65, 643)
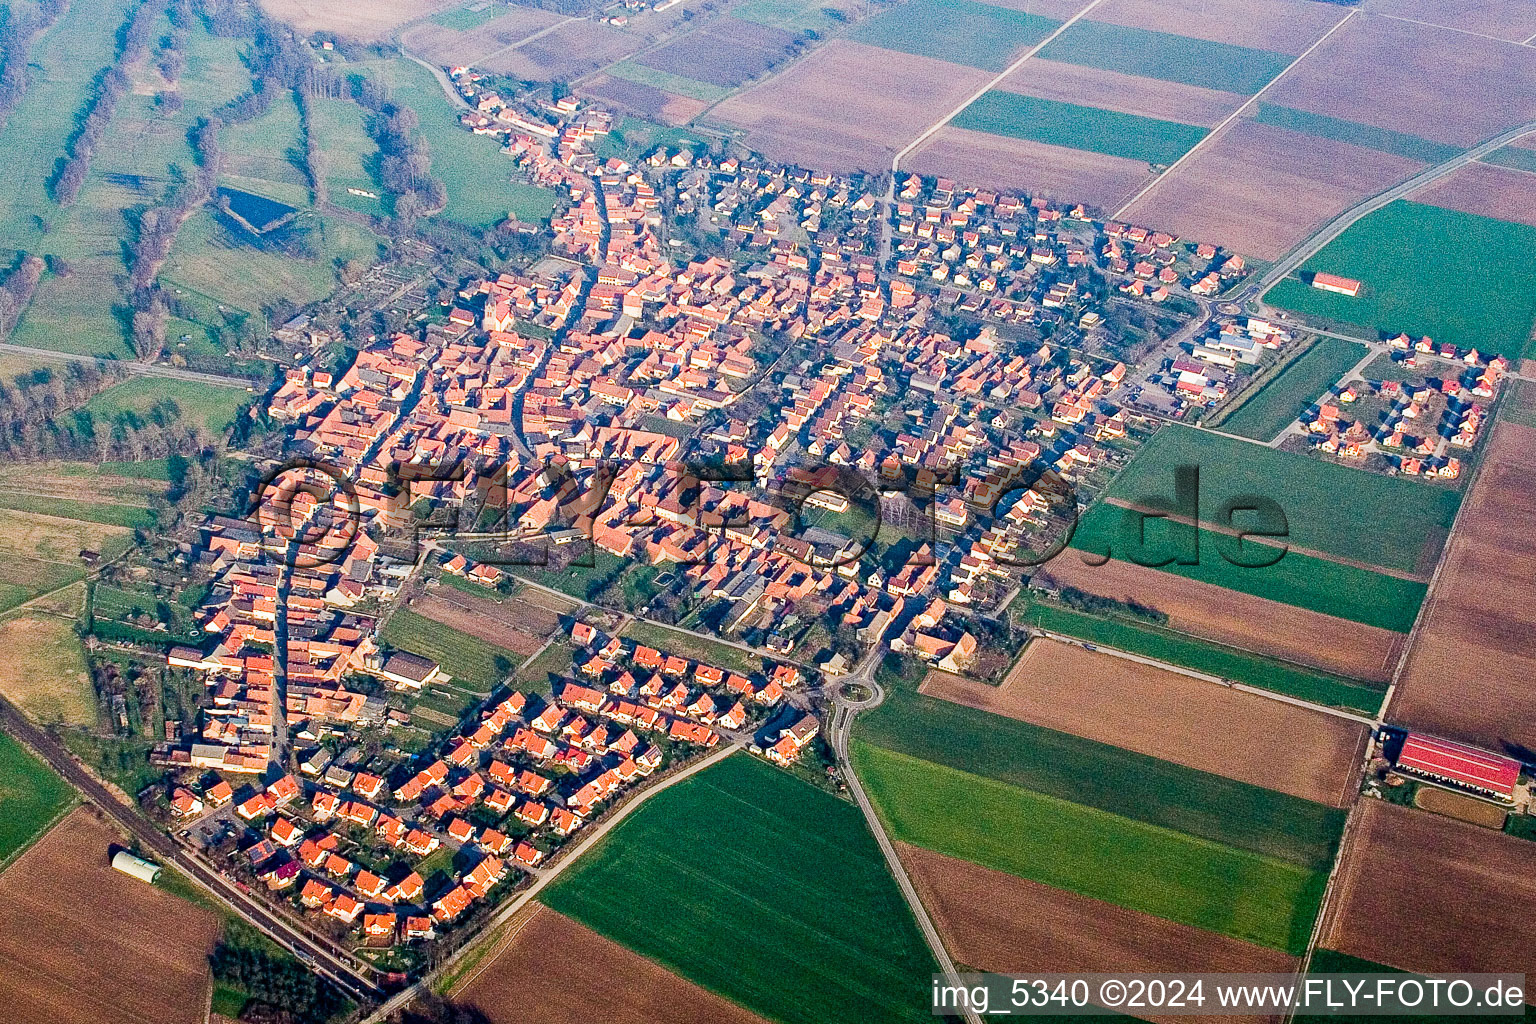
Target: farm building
point(1459, 765)
point(1334, 283)
point(138, 867)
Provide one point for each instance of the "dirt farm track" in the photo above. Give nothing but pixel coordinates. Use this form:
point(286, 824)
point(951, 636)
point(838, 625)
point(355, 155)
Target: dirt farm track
point(994, 921)
point(1427, 893)
point(1175, 717)
point(83, 944)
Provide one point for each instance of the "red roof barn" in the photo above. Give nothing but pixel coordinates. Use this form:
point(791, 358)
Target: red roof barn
point(1460, 764)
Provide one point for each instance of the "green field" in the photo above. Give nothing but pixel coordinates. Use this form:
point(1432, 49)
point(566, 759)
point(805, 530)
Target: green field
point(1353, 132)
point(1119, 782)
point(211, 407)
point(1426, 271)
point(462, 19)
point(1165, 56)
point(31, 796)
point(1088, 128)
point(85, 511)
point(471, 167)
point(1513, 157)
point(471, 661)
point(762, 888)
point(1085, 850)
point(1338, 510)
point(632, 72)
point(977, 35)
point(23, 578)
point(260, 154)
point(794, 15)
point(1333, 588)
point(1295, 389)
point(350, 155)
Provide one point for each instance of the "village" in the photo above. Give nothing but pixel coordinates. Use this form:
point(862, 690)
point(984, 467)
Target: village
point(769, 440)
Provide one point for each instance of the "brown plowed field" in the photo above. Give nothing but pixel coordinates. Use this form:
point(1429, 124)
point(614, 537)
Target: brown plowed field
point(447, 47)
point(1427, 893)
point(83, 944)
point(1487, 190)
point(1240, 620)
point(1282, 26)
point(558, 972)
point(515, 624)
point(1514, 20)
point(995, 161)
point(367, 21)
point(994, 921)
point(645, 100)
point(1447, 86)
point(1171, 716)
point(848, 106)
point(1129, 94)
point(1259, 189)
point(1471, 670)
point(726, 52)
point(570, 51)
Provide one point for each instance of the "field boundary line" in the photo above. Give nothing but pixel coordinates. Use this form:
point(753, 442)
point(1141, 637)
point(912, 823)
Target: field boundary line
point(933, 129)
point(1149, 186)
point(1453, 28)
point(74, 801)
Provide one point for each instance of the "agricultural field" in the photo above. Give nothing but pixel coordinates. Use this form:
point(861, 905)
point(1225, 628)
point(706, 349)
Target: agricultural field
point(463, 36)
point(978, 35)
point(1167, 715)
point(1422, 266)
point(1035, 168)
point(567, 52)
point(1070, 125)
point(43, 670)
point(1122, 783)
point(1259, 190)
point(1237, 619)
point(1460, 806)
point(1425, 893)
point(1279, 26)
point(368, 22)
point(698, 648)
point(1506, 19)
point(725, 53)
point(1164, 55)
point(47, 538)
point(827, 938)
point(1470, 669)
point(472, 662)
point(1066, 845)
point(1488, 191)
point(31, 797)
point(512, 623)
point(1294, 390)
point(629, 87)
point(555, 971)
point(847, 106)
point(994, 921)
point(1128, 94)
point(1383, 140)
point(84, 943)
point(1387, 522)
point(1136, 636)
point(798, 15)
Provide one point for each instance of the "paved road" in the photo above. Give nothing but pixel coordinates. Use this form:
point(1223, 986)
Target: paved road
point(842, 724)
point(308, 948)
point(1328, 232)
point(141, 369)
point(543, 876)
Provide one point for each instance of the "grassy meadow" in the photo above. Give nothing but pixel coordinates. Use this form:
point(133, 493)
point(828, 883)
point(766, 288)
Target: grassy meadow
point(1295, 389)
point(762, 888)
point(31, 797)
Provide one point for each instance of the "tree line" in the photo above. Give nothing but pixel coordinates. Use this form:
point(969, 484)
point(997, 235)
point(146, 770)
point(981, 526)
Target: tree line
point(111, 87)
point(16, 34)
point(405, 163)
point(278, 981)
point(16, 292)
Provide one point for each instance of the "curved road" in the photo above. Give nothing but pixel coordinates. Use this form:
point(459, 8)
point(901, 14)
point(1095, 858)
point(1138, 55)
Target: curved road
point(319, 957)
point(141, 369)
point(842, 724)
